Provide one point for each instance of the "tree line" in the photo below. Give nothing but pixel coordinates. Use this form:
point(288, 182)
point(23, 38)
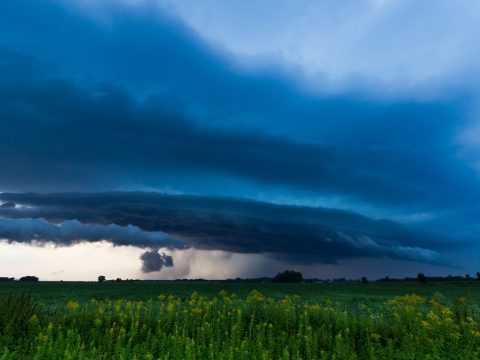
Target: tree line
point(22, 279)
point(288, 276)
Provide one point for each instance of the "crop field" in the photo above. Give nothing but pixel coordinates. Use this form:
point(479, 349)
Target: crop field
point(143, 320)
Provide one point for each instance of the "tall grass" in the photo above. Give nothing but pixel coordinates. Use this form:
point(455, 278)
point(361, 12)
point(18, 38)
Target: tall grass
point(228, 327)
point(15, 314)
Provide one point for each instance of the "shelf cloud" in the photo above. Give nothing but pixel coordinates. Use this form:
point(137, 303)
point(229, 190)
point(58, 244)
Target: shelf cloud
point(151, 96)
point(300, 235)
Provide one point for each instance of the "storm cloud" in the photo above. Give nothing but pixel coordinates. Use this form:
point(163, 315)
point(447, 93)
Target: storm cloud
point(155, 261)
point(40, 232)
point(297, 234)
point(69, 232)
point(115, 96)
point(175, 112)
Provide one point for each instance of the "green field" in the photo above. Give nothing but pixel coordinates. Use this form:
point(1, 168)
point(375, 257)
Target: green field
point(148, 320)
point(59, 293)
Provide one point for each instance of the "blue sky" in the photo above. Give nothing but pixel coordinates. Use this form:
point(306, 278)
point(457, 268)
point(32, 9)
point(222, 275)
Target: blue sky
point(357, 119)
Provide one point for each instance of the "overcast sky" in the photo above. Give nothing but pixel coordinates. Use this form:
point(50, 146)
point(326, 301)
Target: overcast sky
point(333, 137)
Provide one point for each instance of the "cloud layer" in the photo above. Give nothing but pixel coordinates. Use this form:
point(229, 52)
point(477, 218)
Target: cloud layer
point(72, 231)
point(39, 232)
point(407, 48)
point(295, 234)
point(113, 96)
point(100, 109)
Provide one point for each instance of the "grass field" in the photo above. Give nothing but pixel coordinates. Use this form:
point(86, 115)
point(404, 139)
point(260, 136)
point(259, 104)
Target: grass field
point(239, 321)
point(58, 294)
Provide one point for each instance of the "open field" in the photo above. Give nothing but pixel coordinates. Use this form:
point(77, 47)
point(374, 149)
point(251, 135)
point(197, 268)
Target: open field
point(239, 321)
point(59, 293)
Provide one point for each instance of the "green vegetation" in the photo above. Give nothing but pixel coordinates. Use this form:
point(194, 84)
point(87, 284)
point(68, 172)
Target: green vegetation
point(263, 321)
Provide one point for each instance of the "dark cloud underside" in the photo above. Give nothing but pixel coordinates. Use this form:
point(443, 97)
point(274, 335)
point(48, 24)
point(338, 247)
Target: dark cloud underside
point(300, 234)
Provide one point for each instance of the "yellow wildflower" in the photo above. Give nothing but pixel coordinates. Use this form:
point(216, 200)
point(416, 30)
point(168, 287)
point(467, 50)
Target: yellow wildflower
point(432, 316)
point(73, 305)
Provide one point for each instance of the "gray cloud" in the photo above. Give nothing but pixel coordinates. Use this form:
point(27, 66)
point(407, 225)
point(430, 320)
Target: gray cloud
point(142, 102)
point(152, 261)
point(191, 117)
point(69, 232)
point(293, 233)
point(39, 232)
point(7, 204)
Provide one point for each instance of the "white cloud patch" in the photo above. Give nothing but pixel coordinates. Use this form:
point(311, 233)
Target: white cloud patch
point(400, 47)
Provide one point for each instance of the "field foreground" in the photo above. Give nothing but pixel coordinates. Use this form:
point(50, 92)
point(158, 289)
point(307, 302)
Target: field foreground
point(257, 321)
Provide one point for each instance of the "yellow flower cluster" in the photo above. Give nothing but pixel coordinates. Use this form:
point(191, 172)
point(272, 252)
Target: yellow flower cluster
point(256, 327)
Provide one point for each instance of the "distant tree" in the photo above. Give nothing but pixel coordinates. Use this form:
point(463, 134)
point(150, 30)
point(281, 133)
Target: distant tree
point(288, 276)
point(6, 279)
point(468, 277)
point(101, 278)
point(28, 279)
point(478, 276)
point(364, 280)
point(118, 280)
point(421, 278)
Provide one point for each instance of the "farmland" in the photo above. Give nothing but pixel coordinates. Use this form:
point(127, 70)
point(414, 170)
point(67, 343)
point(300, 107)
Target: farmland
point(147, 320)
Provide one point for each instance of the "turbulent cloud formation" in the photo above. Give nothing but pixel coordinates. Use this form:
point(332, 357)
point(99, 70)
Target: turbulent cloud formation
point(154, 261)
point(72, 231)
point(94, 97)
point(7, 204)
point(297, 234)
point(39, 232)
point(192, 118)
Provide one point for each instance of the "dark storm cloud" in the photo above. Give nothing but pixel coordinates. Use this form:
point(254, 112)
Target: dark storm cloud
point(138, 99)
point(39, 231)
point(296, 234)
point(135, 99)
point(154, 261)
point(7, 204)
point(59, 134)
